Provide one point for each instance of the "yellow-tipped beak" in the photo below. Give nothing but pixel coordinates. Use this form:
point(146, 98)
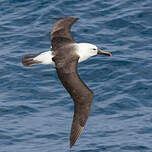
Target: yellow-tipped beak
point(104, 53)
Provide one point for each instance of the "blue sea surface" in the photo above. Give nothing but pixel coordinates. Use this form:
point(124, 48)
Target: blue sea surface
point(36, 111)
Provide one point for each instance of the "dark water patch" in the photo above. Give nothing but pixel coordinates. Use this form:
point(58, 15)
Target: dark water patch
point(145, 130)
point(21, 110)
point(36, 111)
point(47, 136)
point(135, 148)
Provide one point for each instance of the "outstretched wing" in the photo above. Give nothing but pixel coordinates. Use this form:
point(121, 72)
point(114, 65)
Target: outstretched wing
point(80, 93)
point(60, 33)
point(81, 114)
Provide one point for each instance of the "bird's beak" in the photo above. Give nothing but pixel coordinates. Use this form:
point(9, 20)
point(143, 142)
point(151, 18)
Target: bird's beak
point(104, 53)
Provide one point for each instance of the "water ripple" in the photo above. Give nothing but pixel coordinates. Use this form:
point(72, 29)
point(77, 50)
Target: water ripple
point(36, 112)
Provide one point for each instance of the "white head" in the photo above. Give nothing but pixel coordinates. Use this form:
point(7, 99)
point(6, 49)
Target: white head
point(86, 50)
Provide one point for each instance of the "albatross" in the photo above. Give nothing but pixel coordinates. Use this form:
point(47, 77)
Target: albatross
point(65, 54)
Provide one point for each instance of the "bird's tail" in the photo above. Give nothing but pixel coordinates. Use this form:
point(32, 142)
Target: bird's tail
point(29, 60)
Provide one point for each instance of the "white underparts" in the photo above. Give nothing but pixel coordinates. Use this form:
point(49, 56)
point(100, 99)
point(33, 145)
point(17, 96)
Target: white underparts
point(84, 50)
point(44, 58)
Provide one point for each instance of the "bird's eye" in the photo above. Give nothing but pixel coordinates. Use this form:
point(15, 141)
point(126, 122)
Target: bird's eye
point(94, 49)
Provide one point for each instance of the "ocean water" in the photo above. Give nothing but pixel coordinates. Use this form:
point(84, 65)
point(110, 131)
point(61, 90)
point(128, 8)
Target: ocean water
point(35, 110)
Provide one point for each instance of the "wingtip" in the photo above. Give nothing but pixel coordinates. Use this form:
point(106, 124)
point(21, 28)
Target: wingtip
point(71, 145)
point(74, 137)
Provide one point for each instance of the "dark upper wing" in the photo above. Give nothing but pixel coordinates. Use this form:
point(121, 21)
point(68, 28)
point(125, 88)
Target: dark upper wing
point(81, 114)
point(60, 33)
point(80, 93)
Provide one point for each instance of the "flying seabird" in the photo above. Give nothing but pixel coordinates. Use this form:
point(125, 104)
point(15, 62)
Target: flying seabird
point(65, 53)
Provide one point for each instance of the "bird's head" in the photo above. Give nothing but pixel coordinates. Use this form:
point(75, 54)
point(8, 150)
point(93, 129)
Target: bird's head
point(94, 50)
point(86, 50)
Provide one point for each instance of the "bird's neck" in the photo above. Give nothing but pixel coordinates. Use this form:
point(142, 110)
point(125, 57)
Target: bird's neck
point(82, 51)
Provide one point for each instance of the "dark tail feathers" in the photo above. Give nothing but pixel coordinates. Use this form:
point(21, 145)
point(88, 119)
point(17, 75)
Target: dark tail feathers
point(28, 60)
